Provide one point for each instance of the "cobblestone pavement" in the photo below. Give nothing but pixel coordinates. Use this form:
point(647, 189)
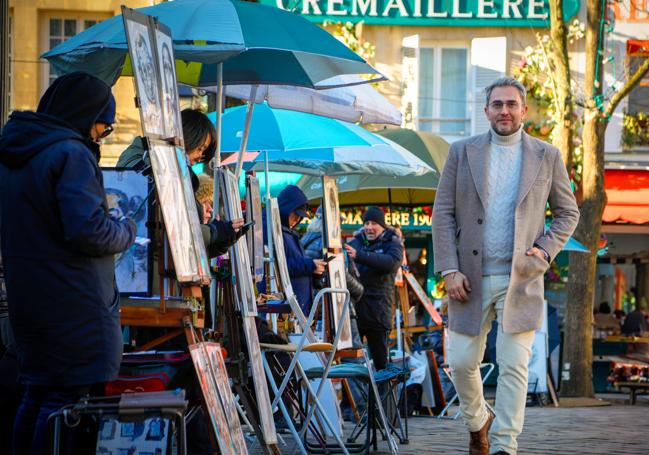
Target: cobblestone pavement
point(605, 430)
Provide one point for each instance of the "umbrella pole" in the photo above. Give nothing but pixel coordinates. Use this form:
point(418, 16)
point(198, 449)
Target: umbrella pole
point(246, 130)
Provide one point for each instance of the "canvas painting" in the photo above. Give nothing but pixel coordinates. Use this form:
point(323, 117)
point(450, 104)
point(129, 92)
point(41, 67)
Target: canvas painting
point(148, 436)
point(255, 236)
point(280, 258)
point(244, 289)
point(337, 280)
point(126, 195)
point(331, 213)
point(181, 219)
point(144, 69)
point(169, 88)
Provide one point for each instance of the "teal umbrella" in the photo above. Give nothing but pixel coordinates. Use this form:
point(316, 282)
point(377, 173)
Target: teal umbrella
point(309, 144)
point(257, 44)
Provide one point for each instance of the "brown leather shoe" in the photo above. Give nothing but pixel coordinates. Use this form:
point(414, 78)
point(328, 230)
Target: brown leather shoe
point(479, 440)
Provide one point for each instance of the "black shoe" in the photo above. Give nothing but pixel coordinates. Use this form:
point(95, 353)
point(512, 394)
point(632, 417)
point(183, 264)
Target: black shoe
point(500, 452)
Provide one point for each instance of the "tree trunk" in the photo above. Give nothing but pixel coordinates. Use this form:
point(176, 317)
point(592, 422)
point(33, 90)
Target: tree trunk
point(577, 344)
point(564, 129)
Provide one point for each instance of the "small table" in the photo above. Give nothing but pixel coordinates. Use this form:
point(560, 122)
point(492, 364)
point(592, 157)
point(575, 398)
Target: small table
point(634, 387)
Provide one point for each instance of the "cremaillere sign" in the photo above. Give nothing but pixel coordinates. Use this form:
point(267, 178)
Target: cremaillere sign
point(440, 13)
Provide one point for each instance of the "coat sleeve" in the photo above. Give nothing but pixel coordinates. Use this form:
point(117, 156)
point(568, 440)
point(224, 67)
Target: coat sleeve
point(300, 266)
point(388, 261)
point(563, 206)
point(444, 222)
point(81, 199)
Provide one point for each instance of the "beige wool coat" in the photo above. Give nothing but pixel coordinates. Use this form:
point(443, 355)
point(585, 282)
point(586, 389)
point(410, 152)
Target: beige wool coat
point(458, 228)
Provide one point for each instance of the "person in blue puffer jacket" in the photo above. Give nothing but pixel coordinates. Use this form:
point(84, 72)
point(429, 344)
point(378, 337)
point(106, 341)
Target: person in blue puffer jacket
point(292, 208)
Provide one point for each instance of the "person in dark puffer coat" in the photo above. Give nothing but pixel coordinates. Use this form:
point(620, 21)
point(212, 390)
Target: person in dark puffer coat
point(58, 248)
point(377, 251)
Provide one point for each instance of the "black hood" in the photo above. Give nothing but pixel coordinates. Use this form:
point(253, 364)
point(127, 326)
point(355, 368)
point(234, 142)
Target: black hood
point(28, 133)
point(76, 98)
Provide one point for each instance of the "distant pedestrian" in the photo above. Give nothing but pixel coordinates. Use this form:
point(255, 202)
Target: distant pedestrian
point(58, 248)
point(377, 251)
point(492, 249)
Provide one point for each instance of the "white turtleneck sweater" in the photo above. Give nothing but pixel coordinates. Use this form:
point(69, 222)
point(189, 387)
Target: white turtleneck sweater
point(505, 156)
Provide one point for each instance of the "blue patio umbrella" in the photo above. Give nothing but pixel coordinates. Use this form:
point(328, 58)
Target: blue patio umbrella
point(313, 145)
point(257, 44)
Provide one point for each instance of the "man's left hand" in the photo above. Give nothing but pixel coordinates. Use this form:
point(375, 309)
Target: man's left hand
point(539, 252)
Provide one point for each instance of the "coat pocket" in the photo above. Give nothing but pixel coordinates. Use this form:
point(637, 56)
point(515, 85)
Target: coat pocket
point(532, 266)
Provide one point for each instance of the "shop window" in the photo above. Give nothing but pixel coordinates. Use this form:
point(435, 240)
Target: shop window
point(443, 97)
point(637, 52)
point(58, 28)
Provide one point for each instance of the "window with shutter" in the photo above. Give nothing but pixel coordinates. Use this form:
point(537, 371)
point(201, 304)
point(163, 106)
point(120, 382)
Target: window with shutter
point(410, 81)
point(488, 62)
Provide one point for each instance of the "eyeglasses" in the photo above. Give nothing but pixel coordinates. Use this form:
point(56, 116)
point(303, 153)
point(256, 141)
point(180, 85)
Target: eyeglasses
point(107, 131)
point(511, 105)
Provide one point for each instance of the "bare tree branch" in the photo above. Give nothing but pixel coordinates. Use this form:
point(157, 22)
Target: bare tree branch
point(624, 91)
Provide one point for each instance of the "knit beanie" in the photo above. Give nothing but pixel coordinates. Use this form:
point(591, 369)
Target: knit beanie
point(374, 213)
point(108, 115)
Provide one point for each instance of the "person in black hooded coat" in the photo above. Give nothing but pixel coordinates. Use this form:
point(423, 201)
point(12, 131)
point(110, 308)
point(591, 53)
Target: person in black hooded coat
point(58, 247)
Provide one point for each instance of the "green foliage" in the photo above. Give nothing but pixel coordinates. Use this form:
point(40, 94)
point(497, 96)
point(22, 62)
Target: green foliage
point(352, 36)
point(635, 130)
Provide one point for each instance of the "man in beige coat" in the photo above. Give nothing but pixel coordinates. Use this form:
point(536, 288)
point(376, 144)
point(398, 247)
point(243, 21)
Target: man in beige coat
point(492, 248)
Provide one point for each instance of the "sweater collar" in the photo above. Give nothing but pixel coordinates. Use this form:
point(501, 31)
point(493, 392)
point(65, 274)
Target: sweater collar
point(507, 141)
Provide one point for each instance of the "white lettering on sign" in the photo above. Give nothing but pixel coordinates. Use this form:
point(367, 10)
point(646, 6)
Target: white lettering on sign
point(331, 8)
point(417, 12)
point(512, 6)
point(432, 12)
point(482, 9)
point(457, 12)
point(360, 7)
point(313, 4)
point(398, 4)
point(533, 13)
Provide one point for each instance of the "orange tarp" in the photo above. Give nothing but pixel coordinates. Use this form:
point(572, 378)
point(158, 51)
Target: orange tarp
point(628, 196)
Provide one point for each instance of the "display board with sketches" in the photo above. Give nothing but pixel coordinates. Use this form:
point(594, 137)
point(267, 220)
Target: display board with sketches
point(219, 399)
point(148, 437)
point(331, 213)
point(152, 59)
point(181, 218)
point(143, 63)
point(337, 280)
point(244, 288)
point(423, 298)
point(126, 194)
point(538, 365)
point(255, 235)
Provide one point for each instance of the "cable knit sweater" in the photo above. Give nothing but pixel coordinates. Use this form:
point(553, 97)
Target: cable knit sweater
point(503, 175)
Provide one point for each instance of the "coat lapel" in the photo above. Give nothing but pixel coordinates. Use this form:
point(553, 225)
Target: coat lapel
point(477, 153)
point(532, 158)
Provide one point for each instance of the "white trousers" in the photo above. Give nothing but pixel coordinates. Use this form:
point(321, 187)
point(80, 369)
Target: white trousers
point(464, 355)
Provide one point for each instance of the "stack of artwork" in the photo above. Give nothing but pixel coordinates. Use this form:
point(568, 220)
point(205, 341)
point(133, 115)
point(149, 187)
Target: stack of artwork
point(255, 236)
point(152, 59)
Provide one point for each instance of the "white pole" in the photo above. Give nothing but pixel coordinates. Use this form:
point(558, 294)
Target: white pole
point(216, 163)
point(269, 231)
point(246, 130)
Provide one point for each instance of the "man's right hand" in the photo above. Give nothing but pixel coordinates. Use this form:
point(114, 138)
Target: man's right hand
point(319, 266)
point(457, 286)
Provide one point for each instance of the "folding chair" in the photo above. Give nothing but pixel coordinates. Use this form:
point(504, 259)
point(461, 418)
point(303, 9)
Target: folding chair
point(295, 367)
point(490, 368)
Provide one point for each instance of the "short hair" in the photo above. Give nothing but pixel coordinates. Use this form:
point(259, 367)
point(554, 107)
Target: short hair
point(205, 188)
point(196, 128)
point(604, 308)
point(505, 82)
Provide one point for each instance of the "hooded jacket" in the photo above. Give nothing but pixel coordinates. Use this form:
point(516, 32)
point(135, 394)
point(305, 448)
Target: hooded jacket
point(377, 262)
point(58, 241)
point(300, 267)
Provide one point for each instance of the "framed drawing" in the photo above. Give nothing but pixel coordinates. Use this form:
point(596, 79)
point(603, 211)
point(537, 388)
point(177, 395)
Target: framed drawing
point(126, 195)
point(255, 236)
point(423, 298)
point(168, 87)
point(149, 435)
point(139, 34)
point(331, 213)
point(204, 355)
point(244, 288)
point(181, 218)
point(337, 280)
point(280, 257)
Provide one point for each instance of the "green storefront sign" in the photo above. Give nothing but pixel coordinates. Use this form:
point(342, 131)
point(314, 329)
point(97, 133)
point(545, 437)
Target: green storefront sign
point(439, 13)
